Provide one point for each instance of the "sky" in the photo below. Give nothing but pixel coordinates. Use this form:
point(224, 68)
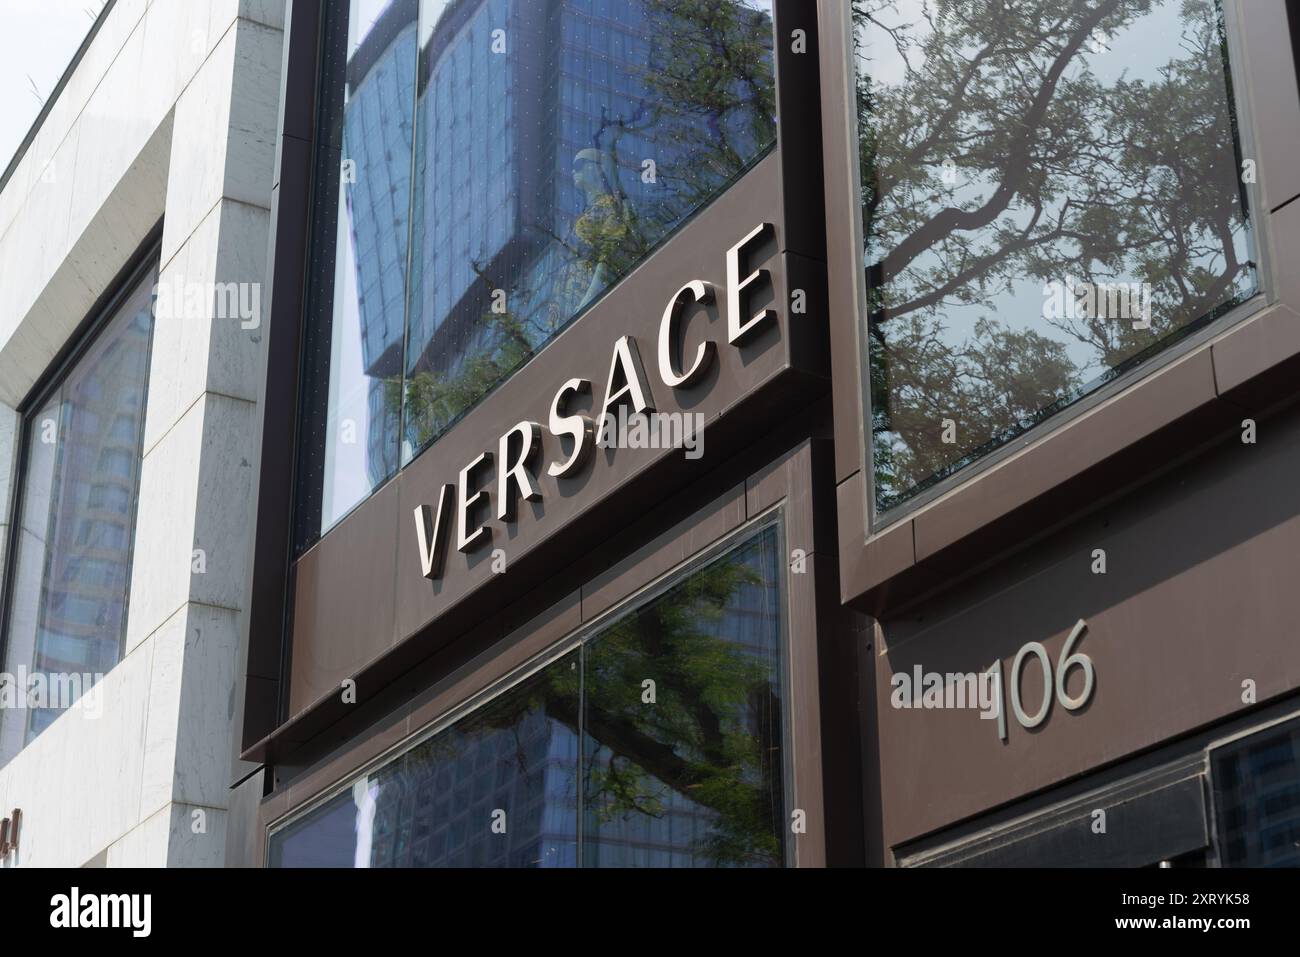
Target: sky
point(38, 39)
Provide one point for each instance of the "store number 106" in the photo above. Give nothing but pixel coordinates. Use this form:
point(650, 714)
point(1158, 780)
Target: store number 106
point(1069, 660)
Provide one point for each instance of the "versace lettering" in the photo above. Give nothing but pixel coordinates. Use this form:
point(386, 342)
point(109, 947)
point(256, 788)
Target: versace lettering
point(627, 389)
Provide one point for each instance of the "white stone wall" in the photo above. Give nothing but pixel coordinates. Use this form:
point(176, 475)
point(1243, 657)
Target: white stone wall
point(172, 114)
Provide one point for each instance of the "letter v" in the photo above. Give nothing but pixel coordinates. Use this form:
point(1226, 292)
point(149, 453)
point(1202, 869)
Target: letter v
point(431, 531)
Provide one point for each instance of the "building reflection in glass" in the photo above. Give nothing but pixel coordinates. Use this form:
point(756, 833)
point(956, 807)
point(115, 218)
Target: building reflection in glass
point(1257, 799)
point(79, 491)
point(558, 142)
point(683, 772)
point(521, 156)
point(496, 789)
point(354, 353)
point(686, 770)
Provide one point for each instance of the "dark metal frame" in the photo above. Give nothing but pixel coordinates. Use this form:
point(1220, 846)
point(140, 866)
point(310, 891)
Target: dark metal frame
point(267, 601)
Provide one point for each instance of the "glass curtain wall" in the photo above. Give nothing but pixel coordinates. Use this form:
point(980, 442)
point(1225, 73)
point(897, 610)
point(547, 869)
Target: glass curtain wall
point(486, 170)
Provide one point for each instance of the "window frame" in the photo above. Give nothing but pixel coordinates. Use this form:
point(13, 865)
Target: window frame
point(878, 520)
point(577, 640)
point(882, 552)
point(146, 259)
point(1234, 741)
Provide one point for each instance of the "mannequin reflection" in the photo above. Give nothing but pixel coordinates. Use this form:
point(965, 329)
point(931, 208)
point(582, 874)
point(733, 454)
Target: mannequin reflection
point(600, 227)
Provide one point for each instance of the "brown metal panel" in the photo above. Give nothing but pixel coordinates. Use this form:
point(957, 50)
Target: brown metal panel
point(804, 712)
point(274, 806)
point(882, 559)
point(1258, 362)
point(664, 553)
point(1269, 74)
point(802, 482)
point(498, 660)
point(1152, 404)
point(841, 652)
point(343, 601)
point(1198, 596)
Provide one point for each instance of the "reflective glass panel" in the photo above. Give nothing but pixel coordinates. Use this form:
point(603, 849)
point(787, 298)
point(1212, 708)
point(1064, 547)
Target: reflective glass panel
point(78, 495)
point(686, 771)
point(682, 722)
point(486, 169)
point(1257, 799)
point(558, 142)
point(356, 305)
point(496, 789)
point(1052, 193)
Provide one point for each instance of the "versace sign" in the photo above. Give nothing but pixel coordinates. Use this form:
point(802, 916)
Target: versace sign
point(628, 388)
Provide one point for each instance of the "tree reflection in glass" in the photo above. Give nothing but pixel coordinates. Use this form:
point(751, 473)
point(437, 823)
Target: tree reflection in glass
point(1019, 162)
point(682, 745)
point(662, 736)
point(558, 142)
point(497, 788)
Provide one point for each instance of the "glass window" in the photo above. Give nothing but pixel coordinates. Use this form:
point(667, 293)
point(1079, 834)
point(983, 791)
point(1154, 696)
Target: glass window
point(78, 491)
point(682, 723)
point(356, 305)
point(522, 156)
point(678, 708)
point(1257, 799)
point(496, 789)
point(1051, 195)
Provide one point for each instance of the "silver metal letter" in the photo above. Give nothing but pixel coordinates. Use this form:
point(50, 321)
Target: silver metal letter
point(738, 331)
point(628, 358)
point(467, 540)
point(530, 444)
point(1031, 648)
point(699, 292)
point(1069, 661)
point(577, 425)
point(430, 532)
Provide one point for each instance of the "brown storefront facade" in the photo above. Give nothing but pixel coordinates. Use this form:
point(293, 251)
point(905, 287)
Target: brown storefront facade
point(1125, 564)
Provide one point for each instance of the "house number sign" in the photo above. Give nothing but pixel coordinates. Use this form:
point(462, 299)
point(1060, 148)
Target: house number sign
point(1068, 661)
